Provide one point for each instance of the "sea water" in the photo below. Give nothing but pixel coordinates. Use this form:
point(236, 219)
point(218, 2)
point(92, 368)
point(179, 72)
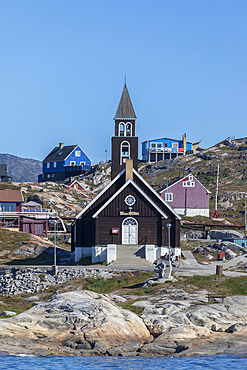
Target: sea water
point(123, 363)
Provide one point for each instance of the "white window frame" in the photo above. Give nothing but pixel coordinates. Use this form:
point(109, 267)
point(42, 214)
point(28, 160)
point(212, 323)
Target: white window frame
point(175, 145)
point(77, 153)
point(48, 175)
point(128, 123)
point(122, 156)
point(169, 197)
point(72, 163)
point(121, 124)
point(52, 175)
point(153, 145)
point(188, 184)
point(54, 164)
point(82, 163)
point(48, 165)
point(125, 128)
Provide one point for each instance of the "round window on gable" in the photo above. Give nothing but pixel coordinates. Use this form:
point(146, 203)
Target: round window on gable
point(130, 200)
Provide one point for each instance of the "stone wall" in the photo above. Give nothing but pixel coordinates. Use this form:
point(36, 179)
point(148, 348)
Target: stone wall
point(14, 280)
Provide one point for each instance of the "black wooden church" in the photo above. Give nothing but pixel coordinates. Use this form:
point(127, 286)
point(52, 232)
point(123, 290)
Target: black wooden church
point(128, 211)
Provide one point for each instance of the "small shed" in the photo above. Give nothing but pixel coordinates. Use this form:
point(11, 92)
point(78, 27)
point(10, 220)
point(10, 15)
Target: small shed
point(32, 226)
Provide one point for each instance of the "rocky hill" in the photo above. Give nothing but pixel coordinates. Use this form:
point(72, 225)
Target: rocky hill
point(22, 169)
point(230, 154)
point(232, 158)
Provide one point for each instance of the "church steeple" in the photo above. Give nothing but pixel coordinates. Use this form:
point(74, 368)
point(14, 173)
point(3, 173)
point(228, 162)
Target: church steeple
point(124, 143)
point(125, 108)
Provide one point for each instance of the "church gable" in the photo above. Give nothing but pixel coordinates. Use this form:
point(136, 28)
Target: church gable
point(130, 200)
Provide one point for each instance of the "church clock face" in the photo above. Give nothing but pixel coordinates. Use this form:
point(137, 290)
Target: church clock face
point(130, 200)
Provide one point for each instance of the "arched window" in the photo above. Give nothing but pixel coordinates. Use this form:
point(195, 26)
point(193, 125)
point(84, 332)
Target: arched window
point(128, 129)
point(125, 152)
point(125, 129)
point(121, 129)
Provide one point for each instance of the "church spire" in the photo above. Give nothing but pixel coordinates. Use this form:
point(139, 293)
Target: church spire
point(124, 143)
point(125, 108)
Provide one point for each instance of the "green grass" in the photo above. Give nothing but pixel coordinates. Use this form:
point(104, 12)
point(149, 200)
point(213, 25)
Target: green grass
point(127, 280)
point(236, 286)
point(145, 290)
point(128, 306)
point(7, 185)
point(215, 284)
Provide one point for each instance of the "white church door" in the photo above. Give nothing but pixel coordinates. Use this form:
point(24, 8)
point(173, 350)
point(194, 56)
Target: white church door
point(129, 231)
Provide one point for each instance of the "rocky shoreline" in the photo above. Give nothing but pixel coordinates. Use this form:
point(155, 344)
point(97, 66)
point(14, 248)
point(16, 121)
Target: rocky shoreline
point(84, 323)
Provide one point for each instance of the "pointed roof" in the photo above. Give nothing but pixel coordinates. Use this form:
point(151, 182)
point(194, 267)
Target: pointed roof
point(125, 108)
point(183, 179)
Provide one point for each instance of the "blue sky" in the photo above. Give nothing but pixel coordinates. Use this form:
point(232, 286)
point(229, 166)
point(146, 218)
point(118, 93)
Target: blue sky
point(63, 64)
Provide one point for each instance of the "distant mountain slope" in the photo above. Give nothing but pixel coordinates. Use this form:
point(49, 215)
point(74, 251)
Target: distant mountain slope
point(22, 169)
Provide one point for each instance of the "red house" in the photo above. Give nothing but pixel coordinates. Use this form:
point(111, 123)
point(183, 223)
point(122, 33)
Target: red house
point(188, 197)
point(10, 200)
point(76, 185)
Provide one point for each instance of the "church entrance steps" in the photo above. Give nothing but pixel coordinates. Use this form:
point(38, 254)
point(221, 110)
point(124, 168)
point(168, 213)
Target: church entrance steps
point(130, 256)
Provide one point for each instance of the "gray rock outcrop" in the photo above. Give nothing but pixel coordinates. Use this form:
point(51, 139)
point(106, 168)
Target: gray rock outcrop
point(225, 234)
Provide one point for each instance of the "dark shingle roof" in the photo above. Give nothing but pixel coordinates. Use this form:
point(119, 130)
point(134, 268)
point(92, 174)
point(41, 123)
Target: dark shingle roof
point(125, 108)
point(59, 154)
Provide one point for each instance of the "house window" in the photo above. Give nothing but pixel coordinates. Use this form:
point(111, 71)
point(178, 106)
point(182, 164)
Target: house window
point(153, 145)
point(72, 163)
point(175, 145)
point(52, 175)
point(77, 153)
point(165, 145)
point(169, 197)
point(48, 165)
point(82, 163)
point(48, 176)
point(7, 206)
point(159, 145)
point(54, 164)
point(188, 184)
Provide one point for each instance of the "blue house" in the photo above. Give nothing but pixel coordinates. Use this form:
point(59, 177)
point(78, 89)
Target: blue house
point(166, 148)
point(63, 162)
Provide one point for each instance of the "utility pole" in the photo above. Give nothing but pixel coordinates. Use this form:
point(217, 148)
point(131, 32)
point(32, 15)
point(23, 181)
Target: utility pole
point(217, 186)
point(169, 246)
point(216, 214)
point(54, 267)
